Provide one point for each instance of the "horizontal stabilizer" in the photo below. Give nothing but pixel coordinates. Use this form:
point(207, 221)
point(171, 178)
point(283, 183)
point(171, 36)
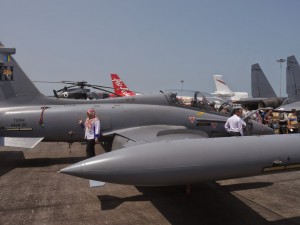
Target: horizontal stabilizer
point(94, 183)
point(25, 142)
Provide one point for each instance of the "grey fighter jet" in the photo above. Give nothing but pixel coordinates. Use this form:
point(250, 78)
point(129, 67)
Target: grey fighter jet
point(27, 116)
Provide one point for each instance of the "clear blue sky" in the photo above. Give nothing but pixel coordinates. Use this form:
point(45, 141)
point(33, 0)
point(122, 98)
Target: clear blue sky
point(151, 44)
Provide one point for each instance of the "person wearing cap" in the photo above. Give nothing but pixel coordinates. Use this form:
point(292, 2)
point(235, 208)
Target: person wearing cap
point(234, 124)
point(92, 131)
point(292, 122)
point(282, 117)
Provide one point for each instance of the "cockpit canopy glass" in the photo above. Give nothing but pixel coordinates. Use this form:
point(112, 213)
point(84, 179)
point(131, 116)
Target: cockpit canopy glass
point(196, 99)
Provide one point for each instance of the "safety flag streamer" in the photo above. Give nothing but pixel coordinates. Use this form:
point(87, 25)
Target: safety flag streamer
point(41, 121)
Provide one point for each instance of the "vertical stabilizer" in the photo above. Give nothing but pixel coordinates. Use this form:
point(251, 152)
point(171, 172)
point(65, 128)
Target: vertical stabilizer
point(292, 77)
point(15, 86)
point(221, 86)
point(261, 87)
point(119, 86)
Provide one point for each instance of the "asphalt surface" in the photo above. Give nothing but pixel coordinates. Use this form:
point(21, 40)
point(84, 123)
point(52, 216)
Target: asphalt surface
point(32, 192)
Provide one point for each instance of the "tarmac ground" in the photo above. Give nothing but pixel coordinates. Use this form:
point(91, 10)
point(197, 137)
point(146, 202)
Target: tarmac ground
point(32, 192)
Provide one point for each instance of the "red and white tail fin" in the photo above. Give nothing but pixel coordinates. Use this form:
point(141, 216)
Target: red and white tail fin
point(119, 87)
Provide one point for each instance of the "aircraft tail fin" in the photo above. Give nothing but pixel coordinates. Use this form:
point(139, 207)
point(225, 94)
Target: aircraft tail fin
point(261, 87)
point(221, 86)
point(292, 77)
point(15, 86)
point(119, 86)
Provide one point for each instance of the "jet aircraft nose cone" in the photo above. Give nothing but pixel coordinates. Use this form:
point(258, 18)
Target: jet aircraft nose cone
point(74, 170)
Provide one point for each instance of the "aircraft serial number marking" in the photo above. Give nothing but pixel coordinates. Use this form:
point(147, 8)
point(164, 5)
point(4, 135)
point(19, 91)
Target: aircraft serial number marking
point(19, 122)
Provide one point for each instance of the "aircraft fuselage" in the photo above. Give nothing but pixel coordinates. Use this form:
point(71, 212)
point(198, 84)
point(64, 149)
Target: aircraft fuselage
point(60, 123)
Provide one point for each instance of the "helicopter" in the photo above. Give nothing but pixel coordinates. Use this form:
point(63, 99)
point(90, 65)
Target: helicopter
point(78, 90)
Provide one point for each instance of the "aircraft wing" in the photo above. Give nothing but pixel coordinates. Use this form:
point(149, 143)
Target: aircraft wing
point(154, 133)
point(24, 142)
point(289, 107)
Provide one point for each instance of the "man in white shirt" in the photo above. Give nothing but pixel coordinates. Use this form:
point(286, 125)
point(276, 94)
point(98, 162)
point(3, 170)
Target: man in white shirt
point(234, 124)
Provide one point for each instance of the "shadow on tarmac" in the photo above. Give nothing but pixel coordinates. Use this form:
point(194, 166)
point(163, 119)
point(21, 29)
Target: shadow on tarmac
point(43, 162)
point(111, 202)
point(9, 160)
point(15, 159)
point(208, 203)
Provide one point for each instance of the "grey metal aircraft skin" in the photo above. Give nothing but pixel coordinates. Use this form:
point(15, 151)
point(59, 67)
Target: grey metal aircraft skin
point(27, 116)
point(260, 85)
point(263, 95)
point(292, 85)
point(189, 161)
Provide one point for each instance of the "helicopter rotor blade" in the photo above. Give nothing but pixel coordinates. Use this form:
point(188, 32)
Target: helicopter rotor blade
point(40, 81)
point(78, 83)
point(101, 89)
point(98, 86)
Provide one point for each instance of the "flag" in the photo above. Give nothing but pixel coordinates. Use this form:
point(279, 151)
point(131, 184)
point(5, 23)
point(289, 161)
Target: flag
point(7, 58)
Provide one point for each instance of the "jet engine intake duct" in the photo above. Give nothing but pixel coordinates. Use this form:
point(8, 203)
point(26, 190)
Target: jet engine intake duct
point(271, 102)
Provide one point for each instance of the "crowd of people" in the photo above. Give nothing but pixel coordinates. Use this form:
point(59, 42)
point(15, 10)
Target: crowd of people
point(280, 121)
